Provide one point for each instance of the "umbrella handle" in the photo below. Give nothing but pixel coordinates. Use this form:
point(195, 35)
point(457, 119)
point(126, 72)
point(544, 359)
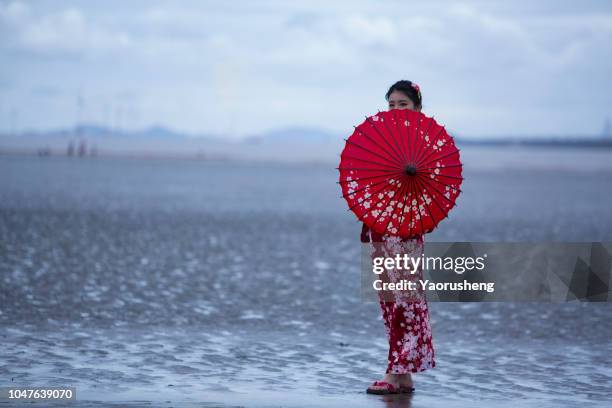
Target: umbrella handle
point(365, 233)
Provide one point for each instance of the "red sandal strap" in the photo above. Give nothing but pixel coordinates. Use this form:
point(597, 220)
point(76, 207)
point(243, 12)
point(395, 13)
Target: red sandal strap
point(385, 384)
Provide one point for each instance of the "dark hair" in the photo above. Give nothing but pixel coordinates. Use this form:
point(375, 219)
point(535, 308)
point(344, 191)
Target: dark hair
point(410, 89)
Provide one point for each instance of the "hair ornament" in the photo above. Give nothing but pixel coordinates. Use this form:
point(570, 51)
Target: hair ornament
point(416, 88)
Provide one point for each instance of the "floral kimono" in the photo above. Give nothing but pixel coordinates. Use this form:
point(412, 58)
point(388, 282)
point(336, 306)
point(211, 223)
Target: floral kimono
point(406, 318)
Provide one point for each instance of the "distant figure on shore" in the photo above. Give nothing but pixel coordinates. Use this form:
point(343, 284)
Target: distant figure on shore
point(44, 151)
point(70, 151)
point(82, 148)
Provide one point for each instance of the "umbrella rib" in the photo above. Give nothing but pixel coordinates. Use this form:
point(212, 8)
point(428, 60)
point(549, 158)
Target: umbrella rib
point(441, 175)
point(426, 186)
point(441, 167)
point(399, 191)
point(419, 157)
point(363, 188)
point(433, 152)
point(443, 184)
point(441, 157)
point(417, 152)
point(369, 161)
point(391, 151)
point(410, 194)
point(391, 133)
point(387, 201)
point(363, 178)
point(419, 212)
point(398, 152)
point(425, 202)
point(366, 169)
point(416, 141)
point(441, 193)
point(369, 209)
point(404, 212)
point(378, 191)
point(408, 144)
point(390, 155)
point(366, 149)
point(397, 125)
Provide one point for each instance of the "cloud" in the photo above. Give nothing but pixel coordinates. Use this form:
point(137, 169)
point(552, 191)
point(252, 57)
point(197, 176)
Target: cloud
point(13, 12)
point(290, 63)
point(370, 31)
point(66, 31)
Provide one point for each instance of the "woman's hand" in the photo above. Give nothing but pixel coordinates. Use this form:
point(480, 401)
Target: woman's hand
point(365, 236)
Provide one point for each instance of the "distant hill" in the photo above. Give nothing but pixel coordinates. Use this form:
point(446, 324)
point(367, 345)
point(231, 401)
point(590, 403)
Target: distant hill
point(308, 135)
point(92, 130)
point(284, 144)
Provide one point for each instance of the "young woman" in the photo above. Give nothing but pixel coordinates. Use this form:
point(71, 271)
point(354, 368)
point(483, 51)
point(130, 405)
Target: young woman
point(406, 319)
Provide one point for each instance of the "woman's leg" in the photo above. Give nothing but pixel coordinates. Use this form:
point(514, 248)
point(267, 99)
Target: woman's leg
point(406, 318)
point(410, 339)
point(395, 373)
point(388, 314)
point(410, 344)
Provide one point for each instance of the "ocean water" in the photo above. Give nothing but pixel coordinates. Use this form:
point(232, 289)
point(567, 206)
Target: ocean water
point(194, 283)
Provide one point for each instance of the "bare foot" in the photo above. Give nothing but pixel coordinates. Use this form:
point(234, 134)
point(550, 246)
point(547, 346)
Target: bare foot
point(392, 379)
point(405, 380)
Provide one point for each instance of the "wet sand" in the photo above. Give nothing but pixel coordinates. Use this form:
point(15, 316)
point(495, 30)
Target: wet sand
point(485, 358)
point(193, 284)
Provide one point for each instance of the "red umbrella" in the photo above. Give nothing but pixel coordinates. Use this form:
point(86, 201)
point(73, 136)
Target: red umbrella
point(400, 173)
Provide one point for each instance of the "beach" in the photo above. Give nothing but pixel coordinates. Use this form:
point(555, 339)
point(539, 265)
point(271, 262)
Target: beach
point(200, 283)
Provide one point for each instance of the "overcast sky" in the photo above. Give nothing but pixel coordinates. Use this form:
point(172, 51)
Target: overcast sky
point(236, 68)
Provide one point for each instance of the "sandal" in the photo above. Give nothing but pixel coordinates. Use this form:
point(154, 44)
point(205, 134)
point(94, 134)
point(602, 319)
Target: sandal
point(388, 388)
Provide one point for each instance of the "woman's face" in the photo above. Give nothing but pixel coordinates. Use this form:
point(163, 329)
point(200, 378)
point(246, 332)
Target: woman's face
point(399, 100)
